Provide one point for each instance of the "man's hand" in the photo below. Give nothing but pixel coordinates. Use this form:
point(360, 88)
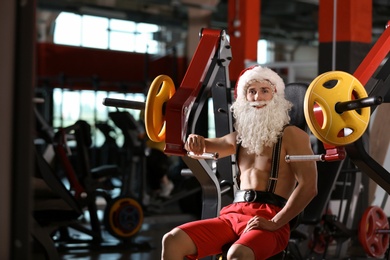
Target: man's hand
point(260, 223)
point(195, 144)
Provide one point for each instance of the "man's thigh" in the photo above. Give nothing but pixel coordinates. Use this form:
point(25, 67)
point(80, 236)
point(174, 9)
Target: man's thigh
point(209, 235)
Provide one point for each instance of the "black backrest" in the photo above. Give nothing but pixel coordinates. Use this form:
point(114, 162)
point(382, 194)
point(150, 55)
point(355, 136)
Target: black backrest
point(295, 93)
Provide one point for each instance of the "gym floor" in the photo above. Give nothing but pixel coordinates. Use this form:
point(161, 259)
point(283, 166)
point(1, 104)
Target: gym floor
point(145, 245)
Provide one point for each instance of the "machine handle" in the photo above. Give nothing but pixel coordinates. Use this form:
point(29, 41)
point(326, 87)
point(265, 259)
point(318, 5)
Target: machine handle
point(206, 156)
point(113, 102)
point(341, 107)
point(304, 158)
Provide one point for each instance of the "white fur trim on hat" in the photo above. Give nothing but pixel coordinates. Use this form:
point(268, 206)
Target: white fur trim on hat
point(258, 73)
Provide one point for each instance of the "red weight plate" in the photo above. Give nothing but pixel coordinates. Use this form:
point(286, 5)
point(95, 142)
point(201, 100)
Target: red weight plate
point(374, 243)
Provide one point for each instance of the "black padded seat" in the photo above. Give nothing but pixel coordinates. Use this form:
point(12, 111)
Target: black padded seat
point(48, 187)
point(54, 206)
point(50, 206)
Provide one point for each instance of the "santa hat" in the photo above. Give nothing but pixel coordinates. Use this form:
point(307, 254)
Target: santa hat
point(257, 73)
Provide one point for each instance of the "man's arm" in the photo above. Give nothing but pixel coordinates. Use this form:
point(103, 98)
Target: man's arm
point(297, 142)
point(224, 146)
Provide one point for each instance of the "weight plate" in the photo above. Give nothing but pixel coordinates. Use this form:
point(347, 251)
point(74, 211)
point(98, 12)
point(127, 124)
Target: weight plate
point(374, 244)
point(321, 97)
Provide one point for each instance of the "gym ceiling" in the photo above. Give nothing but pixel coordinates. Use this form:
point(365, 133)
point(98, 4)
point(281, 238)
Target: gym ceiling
point(288, 21)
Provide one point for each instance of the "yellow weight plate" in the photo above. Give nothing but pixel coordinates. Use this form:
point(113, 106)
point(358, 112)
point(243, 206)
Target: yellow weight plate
point(161, 90)
point(123, 217)
point(325, 92)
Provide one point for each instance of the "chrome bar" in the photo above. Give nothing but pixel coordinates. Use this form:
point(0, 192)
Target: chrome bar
point(304, 158)
point(206, 156)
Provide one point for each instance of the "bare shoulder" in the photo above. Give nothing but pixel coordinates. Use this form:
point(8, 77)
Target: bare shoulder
point(297, 140)
point(292, 131)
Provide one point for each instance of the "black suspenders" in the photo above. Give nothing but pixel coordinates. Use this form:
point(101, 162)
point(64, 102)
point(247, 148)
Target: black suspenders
point(237, 177)
point(273, 178)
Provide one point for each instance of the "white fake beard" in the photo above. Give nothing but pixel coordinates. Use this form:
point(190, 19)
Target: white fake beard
point(259, 128)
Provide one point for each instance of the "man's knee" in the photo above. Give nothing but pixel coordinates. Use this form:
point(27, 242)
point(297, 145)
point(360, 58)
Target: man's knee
point(178, 241)
point(237, 251)
point(169, 238)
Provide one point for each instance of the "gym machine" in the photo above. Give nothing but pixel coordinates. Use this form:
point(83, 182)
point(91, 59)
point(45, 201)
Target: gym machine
point(337, 109)
point(338, 115)
point(172, 114)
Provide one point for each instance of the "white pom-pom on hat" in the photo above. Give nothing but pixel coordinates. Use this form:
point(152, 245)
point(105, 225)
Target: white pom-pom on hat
point(258, 73)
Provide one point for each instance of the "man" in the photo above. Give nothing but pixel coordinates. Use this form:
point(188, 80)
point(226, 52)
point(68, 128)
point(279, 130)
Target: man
point(256, 223)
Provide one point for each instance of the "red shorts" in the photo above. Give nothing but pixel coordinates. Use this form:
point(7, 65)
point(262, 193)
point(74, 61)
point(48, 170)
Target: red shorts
point(209, 235)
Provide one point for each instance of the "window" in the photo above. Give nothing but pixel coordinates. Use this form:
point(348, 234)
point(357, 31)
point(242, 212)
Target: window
point(68, 29)
point(264, 54)
point(122, 35)
point(103, 33)
point(87, 105)
point(94, 32)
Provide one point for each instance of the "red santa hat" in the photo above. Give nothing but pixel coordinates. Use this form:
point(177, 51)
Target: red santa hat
point(258, 73)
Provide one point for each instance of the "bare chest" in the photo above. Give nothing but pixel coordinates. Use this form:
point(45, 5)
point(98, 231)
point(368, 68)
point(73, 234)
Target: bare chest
point(255, 170)
point(260, 162)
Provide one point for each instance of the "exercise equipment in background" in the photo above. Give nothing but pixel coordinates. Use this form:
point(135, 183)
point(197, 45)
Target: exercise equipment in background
point(373, 232)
